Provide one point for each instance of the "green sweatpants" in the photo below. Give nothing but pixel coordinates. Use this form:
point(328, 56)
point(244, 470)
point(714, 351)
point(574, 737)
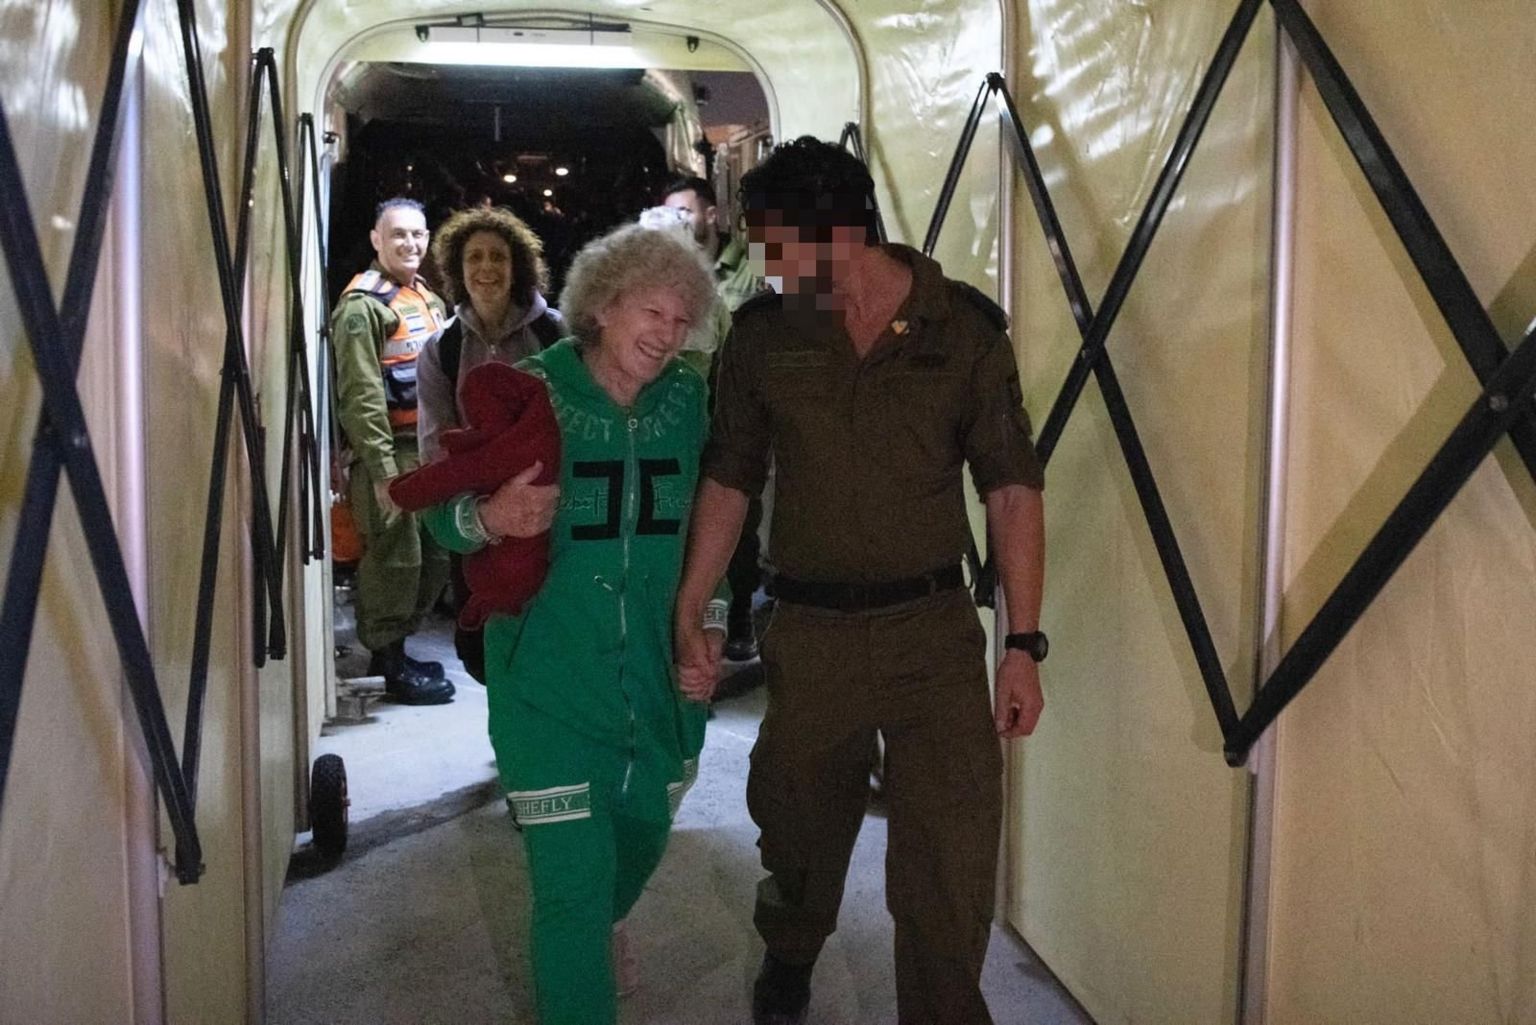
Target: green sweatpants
point(917, 674)
point(594, 820)
point(402, 570)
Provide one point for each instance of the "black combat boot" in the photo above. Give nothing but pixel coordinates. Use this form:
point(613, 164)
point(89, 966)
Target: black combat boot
point(403, 683)
point(782, 993)
point(430, 670)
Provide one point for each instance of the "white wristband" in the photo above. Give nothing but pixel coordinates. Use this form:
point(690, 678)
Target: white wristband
point(715, 612)
point(466, 517)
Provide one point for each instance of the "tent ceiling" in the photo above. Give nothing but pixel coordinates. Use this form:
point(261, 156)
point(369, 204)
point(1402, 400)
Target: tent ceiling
point(804, 50)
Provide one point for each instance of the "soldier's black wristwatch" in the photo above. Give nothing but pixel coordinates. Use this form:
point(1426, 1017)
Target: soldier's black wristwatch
point(1033, 644)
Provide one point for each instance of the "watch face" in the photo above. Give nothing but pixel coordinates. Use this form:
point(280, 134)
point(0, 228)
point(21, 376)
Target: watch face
point(1033, 644)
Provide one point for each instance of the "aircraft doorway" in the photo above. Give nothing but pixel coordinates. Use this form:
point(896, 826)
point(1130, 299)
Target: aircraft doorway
point(572, 153)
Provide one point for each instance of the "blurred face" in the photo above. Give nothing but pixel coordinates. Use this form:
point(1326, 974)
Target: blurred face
point(700, 214)
point(400, 239)
point(487, 268)
point(642, 330)
point(795, 261)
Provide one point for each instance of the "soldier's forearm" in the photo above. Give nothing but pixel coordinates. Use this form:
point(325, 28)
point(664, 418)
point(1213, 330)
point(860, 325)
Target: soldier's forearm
point(713, 530)
point(1016, 527)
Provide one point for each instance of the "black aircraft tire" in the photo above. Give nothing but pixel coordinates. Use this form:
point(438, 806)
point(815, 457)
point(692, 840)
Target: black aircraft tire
point(328, 804)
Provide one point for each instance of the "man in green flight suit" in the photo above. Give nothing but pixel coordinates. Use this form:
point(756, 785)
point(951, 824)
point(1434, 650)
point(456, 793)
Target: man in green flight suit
point(385, 316)
point(871, 381)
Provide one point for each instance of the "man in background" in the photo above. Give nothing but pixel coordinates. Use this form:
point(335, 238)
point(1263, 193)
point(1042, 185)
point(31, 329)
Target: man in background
point(385, 316)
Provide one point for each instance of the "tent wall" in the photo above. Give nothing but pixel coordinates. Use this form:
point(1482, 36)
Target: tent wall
point(204, 926)
point(79, 872)
point(1405, 852)
point(74, 787)
point(1128, 830)
point(1402, 843)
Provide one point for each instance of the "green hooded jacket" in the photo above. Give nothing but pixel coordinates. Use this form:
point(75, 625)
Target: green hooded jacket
point(594, 647)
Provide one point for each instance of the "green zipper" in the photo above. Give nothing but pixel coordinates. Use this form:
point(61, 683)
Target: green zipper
point(627, 530)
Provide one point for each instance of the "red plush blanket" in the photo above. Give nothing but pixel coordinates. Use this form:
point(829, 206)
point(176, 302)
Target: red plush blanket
point(511, 425)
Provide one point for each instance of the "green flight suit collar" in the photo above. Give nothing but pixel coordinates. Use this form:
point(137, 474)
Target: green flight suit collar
point(563, 365)
point(733, 253)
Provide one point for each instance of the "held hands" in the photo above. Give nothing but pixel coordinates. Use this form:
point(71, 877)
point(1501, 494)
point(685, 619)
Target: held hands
point(519, 508)
point(697, 652)
point(1019, 701)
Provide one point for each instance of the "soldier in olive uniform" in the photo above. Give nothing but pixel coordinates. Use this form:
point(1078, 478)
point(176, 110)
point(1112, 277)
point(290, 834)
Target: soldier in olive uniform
point(385, 316)
point(870, 381)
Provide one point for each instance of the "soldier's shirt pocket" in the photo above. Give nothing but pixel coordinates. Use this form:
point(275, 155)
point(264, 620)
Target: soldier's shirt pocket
point(798, 389)
point(924, 396)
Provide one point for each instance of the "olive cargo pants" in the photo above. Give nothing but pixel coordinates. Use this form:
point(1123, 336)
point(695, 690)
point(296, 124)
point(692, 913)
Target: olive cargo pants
point(917, 674)
point(402, 570)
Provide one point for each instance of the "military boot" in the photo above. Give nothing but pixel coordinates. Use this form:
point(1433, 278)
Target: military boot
point(430, 670)
point(403, 683)
point(782, 993)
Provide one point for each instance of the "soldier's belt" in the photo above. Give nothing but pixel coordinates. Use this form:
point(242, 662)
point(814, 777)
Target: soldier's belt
point(864, 597)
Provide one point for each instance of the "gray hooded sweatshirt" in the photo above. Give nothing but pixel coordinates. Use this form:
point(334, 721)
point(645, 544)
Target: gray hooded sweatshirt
point(437, 399)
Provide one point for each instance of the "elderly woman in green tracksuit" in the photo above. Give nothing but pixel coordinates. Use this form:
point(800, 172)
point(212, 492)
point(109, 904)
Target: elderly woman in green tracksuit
point(594, 740)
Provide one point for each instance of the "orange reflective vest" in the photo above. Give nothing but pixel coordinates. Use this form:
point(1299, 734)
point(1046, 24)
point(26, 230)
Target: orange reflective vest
point(418, 323)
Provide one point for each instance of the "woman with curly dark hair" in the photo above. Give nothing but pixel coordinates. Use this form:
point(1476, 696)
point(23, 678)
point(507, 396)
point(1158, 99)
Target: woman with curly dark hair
point(492, 266)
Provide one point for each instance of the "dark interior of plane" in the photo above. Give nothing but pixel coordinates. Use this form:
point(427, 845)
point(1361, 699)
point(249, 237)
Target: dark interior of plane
point(573, 152)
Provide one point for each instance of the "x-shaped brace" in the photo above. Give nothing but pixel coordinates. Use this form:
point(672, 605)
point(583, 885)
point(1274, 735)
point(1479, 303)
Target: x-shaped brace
point(1505, 406)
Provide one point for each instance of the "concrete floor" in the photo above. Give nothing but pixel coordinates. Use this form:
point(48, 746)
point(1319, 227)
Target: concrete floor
point(403, 757)
point(424, 921)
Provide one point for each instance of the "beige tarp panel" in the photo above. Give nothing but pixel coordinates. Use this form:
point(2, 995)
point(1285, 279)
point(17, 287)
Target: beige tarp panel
point(282, 761)
point(1405, 858)
point(928, 69)
point(63, 826)
point(1128, 830)
point(65, 838)
point(204, 931)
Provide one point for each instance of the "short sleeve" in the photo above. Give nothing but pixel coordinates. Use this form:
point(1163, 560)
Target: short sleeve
point(737, 452)
point(996, 435)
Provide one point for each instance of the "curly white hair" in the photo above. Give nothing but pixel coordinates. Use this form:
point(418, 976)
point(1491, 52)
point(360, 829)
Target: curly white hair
point(628, 259)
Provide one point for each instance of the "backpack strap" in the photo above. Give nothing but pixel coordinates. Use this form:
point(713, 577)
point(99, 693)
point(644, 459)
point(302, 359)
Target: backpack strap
point(548, 329)
point(450, 348)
